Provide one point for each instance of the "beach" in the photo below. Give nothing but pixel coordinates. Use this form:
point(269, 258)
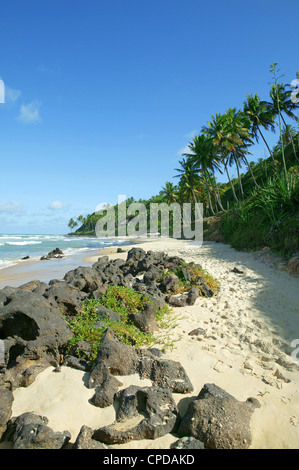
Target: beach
point(245, 347)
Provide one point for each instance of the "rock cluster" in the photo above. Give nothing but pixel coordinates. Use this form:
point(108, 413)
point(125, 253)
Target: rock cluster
point(35, 335)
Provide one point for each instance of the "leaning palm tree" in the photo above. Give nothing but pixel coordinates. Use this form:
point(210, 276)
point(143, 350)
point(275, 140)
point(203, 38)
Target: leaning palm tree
point(229, 135)
point(260, 114)
point(205, 158)
point(281, 103)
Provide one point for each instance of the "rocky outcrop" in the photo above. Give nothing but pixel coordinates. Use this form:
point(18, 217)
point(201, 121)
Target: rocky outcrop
point(146, 320)
point(65, 297)
point(33, 332)
point(110, 361)
point(187, 443)
point(30, 431)
point(85, 440)
point(57, 253)
point(218, 419)
point(6, 401)
point(143, 413)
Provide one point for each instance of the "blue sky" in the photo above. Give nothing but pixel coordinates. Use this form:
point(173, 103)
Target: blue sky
point(102, 96)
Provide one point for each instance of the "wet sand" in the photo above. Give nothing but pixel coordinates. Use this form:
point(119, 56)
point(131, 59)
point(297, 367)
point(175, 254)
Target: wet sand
point(55, 268)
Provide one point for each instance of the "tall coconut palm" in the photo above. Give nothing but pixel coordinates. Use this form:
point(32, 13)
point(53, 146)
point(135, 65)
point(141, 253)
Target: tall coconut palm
point(281, 103)
point(190, 182)
point(229, 136)
point(205, 158)
point(260, 115)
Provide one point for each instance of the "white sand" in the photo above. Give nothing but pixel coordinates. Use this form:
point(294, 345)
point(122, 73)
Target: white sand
point(247, 326)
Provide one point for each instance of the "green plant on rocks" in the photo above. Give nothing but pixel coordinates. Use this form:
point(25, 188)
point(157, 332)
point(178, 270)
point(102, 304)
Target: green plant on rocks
point(86, 326)
point(192, 275)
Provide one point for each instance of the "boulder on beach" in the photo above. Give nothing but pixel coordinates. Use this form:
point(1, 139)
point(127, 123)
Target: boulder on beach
point(142, 413)
point(218, 419)
point(30, 431)
point(33, 332)
point(6, 401)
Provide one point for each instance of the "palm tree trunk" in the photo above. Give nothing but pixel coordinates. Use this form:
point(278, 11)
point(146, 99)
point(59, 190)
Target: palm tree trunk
point(291, 137)
point(239, 178)
point(251, 172)
point(216, 192)
point(209, 197)
point(231, 184)
point(266, 144)
point(195, 205)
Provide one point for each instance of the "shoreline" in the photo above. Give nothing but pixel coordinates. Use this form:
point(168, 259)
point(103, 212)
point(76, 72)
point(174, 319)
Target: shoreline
point(245, 349)
point(23, 271)
point(44, 270)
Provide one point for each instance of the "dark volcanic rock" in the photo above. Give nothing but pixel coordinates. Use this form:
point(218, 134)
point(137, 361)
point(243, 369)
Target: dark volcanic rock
point(187, 443)
point(152, 274)
point(32, 285)
point(55, 253)
point(6, 400)
point(176, 301)
point(173, 262)
point(218, 419)
point(66, 297)
point(29, 315)
point(193, 294)
point(121, 359)
point(86, 279)
point(170, 374)
point(85, 441)
point(206, 291)
point(104, 313)
point(30, 431)
point(38, 331)
point(197, 332)
point(143, 413)
point(146, 320)
point(135, 254)
point(76, 363)
point(105, 391)
point(151, 290)
point(170, 283)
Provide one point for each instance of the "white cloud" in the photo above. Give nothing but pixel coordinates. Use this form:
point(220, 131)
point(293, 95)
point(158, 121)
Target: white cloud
point(57, 205)
point(12, 95)
point(11, 207)
point(29, 113)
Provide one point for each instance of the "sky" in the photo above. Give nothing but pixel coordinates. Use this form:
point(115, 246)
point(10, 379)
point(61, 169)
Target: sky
point(102, 97)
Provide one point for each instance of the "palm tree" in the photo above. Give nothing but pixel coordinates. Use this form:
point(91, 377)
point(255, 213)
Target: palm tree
point(277, 99)
point(170, 192)
point(281, 103)
point(72, 223)
point(81, 219)
point(190, 182)
point(204, 157)
point(230, 137)
point(260, 115)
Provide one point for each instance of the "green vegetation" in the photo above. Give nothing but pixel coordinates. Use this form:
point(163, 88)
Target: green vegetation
point(258, 207)
point(196, 277)
point(124, 301)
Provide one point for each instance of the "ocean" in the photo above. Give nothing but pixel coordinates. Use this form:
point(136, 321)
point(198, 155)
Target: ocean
point(15, 247)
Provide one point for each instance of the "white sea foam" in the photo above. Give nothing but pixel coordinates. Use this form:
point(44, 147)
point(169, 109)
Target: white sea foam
point(23, 243)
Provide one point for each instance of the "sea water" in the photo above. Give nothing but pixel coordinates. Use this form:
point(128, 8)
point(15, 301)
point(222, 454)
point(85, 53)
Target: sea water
point(14, 247)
